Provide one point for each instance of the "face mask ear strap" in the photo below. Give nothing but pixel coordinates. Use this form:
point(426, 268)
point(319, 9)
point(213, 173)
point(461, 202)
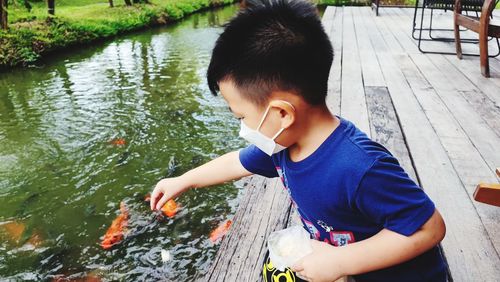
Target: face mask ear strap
point(277, 133)
point(293, 108)
point(263, 117)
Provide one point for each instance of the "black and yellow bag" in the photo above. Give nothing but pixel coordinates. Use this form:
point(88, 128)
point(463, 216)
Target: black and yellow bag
point(272, 274)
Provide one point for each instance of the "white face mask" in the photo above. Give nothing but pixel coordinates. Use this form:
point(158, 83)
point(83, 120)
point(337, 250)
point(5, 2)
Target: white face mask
point(264, 143)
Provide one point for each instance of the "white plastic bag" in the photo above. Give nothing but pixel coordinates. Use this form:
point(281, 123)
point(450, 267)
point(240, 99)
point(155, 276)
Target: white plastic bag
point(287, 246)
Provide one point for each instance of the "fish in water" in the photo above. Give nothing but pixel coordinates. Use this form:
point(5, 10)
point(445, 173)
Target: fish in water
point(118, 142)
point(220, 231)
point(123, 159)
point(18, 234)
point(67, 278)
point(170, 208)
point(117, 230)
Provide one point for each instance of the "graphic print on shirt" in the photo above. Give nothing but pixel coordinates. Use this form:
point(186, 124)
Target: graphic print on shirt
point(341, 238)
point(312, 229)
point(337, 238)
point(325, 226)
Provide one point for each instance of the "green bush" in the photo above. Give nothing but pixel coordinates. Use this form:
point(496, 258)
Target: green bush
point(33, 34)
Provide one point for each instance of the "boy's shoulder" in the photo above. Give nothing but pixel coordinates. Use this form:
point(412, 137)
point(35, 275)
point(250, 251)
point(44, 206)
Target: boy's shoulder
point(355, 144)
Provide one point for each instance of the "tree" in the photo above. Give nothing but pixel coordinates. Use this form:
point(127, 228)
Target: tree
point(51, 7)
point(111, 3)
point(27, 5)
point(3, 14)
point(128, 3)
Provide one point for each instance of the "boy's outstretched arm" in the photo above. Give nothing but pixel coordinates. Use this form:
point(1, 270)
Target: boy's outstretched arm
point(224, 168)
point(385, 249)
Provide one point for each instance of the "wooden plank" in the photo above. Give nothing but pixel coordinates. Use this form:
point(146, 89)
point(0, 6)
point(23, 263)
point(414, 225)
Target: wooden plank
point(458, 125)
point(477, 129)
point(377, 25)
point(385, 127)
point(353, 102)
point(470, 165)
point(439, 143)
point(264, 207)
point(441, 19)
point(335, 78)
point(479, 102)
point(384, 124)
point(469, 66)
point(469, 48)
point(477, 261)
point(392, 21)
point(371, 72)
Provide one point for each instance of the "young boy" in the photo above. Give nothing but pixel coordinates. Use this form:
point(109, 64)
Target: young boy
point(271, 65)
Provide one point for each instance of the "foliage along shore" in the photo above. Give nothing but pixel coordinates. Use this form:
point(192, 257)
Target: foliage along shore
point(31, 35)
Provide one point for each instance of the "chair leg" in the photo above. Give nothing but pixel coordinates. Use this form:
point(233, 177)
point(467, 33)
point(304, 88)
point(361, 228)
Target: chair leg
point(458, 44)
point(483, 53)
point(420, 31)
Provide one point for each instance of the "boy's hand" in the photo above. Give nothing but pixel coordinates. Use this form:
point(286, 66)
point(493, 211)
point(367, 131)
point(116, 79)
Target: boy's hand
point(224, 168)
point(167, 189)
point(322, 265)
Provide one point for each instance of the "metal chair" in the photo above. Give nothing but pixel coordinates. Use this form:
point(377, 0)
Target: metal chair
point(468, 6)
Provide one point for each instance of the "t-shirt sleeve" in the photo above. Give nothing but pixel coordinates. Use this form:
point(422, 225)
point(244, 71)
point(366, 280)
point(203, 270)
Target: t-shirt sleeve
point(258, 162)
point(388, 196)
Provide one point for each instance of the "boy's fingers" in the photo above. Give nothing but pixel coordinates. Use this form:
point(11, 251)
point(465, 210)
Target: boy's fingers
point(161, 202)
point(152, 201)
point(302, 277)
point(297, 266)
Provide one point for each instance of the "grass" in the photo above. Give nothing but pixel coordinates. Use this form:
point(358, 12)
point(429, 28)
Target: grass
point(31, 34)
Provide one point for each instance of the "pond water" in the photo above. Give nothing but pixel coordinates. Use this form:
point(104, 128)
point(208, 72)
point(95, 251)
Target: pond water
point(99, 126)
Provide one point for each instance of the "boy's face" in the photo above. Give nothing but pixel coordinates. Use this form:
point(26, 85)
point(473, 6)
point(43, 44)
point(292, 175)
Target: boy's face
point(280, 115)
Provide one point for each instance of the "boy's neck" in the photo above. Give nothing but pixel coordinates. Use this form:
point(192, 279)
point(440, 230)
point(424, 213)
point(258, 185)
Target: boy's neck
point(313, 131)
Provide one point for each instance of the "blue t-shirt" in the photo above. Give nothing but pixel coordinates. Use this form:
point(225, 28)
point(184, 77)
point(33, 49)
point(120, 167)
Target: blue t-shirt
point(348, 190)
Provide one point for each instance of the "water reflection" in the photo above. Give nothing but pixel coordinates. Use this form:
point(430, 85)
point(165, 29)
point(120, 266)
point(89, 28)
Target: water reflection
point(61, 180)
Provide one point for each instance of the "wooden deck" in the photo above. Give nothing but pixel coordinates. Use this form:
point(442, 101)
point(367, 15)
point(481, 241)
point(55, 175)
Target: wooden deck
point(435, 113)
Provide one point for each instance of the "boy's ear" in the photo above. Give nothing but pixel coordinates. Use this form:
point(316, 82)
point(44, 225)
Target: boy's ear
point(286, 111)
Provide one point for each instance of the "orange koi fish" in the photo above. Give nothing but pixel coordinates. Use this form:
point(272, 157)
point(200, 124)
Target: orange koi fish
point(116, 231)
point(170, 208)
point(118, 142)
point(220, 231)
point(15, 231)
point(91, 277)
point(88, 278)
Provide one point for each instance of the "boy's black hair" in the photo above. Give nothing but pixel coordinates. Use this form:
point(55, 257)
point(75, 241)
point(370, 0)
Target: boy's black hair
point(273, 45)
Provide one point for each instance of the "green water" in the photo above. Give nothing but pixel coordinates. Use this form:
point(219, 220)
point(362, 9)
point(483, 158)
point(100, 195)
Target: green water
point(62, 179)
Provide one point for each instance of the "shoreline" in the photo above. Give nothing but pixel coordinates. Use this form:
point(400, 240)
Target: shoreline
point(32, 41)
point(27, 44)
